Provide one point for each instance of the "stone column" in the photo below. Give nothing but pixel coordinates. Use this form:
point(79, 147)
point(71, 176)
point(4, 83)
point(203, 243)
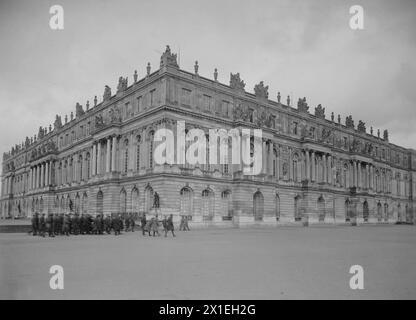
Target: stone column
point(313, 167)
point(367, 173)
point(30, 179)
point(39, 177)
point(94, 160)
point(99, 158)
point(324, 168)
point(270, 158)
point(329, 168)
point(264, 158)
point(63, 172)
point(308, 166)
point(108, 156)
point(47, 173)
point(113, 153)
point(359, 174)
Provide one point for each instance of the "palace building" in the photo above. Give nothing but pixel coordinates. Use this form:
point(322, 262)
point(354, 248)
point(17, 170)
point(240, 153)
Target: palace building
point(101, 159)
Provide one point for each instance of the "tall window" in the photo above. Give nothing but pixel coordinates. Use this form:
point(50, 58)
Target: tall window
point(126, 156)
point(139, 104)
point(138, 153)
point(152, 97)
point(151, 150)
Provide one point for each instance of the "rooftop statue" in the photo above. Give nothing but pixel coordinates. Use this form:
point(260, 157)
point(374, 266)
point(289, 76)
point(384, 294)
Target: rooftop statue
point(349, 123)
point(386, 135)
point(236, 82)
point(168, 59)
point(79, 111)
point(320, 112)
point(196, 67)
point(261, 91)
point(122, 84)
point(41, 133)
point(302, 105)
point(107, 93)
point(58, 122)
point(361, 126)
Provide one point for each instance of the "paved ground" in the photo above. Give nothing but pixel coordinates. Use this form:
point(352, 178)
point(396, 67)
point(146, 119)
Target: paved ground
point(282, 263)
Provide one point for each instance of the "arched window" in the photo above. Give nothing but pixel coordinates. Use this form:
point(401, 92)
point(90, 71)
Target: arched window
point(186, 201)
point(84, 203)
point(148, 198)
point(347, 212)
point(135, 200)
point(100, 202)
point(207, 206)
point(297, 214)
point(365, 211)
point(321, 209)
point(258, 206)
point(277, 207)
point(88, 166)
point(123, 201)
point(226, 205)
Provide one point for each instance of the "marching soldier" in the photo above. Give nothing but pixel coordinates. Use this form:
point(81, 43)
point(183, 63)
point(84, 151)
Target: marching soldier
point(155, 226)
point(107, 224)
point(75, 223)
point(49, 225)
point(83, 224)
point(143, 223)
point(66, 224)
point(42, 225)
point(35, 224)
point(127, 223)
point(168, 225)
point(185, 226)
point(59, 224)
point(132, 222)
point(117, 224)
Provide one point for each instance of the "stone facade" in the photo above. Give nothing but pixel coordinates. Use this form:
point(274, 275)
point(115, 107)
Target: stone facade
point(315, 169)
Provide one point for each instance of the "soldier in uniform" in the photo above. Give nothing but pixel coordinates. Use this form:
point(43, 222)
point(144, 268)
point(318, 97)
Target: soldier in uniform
point(82, 224)
point(116, 224)
point(143, 223)
point(181, 225)
point(76, 224)
point(132, 222)
point(168, 225)
point(155, 226)
point(107, 224)
point(49, 225)
point(59, 224)
point(101, 224)
point(42, 225)
point(185, 224)
point(35, 224)
point(66, 224)
point(89, 224)
point(127, 223)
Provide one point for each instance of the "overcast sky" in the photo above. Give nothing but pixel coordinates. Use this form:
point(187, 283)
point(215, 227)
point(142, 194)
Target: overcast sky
point(302, 48)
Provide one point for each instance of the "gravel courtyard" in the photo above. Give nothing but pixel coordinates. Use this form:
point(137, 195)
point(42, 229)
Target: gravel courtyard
point(253, 263)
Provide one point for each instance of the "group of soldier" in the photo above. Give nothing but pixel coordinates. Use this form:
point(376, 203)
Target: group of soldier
point(75, 224)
